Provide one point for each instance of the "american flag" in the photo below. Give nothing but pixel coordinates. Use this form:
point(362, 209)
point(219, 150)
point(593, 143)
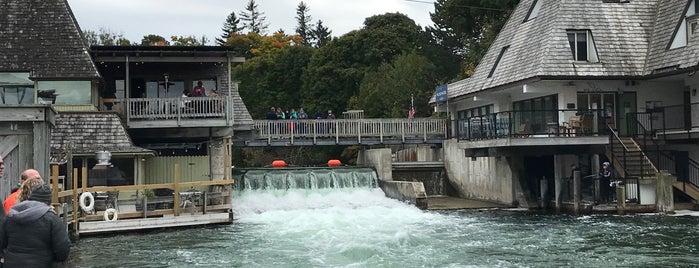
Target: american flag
point(411, 110)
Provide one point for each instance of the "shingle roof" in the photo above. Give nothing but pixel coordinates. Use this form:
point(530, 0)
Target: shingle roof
point(88, 132)
point(631, 40)
point(42, 36)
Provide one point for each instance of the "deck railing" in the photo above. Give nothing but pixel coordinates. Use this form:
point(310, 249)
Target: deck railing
point(423, 128)
point(169, 108)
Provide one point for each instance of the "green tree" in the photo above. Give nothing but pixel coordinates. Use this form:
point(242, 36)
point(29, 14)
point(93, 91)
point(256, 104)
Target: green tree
point(229, 27)
point(468, 27)
point(154, 40)
point(336, 70)
point(321, 34)
point(253, 19)
point(105, 37)
point(304, 27)
point(386, 91)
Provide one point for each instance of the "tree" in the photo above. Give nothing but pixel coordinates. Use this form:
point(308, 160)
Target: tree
point(321, 34)
point(304, 26)
point(105, 37)
point(229, 27)
point(188, 40)
point(468, 27)
point(386, 91)
point(154, 40)
point(253, 19)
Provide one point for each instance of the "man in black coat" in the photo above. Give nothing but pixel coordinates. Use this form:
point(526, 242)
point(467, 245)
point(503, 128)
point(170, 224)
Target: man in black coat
point(32, 235)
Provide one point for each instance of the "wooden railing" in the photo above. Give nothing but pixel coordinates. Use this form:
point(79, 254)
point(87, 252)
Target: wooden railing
point(170, 108)
point(359, 129)
point(71, 196)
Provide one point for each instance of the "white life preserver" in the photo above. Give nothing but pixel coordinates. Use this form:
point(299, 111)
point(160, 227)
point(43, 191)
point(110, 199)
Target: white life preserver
point(83, 206)
point(112, 211)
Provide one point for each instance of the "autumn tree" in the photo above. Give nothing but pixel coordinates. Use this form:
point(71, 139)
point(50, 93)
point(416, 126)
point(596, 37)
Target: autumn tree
point(253, 19)
point(188, 40)
point(321, 34)
point(230, 27)
point(304, 28)
point(154, 40)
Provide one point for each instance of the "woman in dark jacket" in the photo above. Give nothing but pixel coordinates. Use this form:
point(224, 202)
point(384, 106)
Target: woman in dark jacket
point(32, 235)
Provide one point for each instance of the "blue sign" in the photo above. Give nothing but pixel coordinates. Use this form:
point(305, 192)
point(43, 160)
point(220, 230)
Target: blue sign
point(440, 93)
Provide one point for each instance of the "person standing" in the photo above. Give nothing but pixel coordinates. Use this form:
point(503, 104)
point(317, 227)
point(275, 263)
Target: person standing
point(32, 234)
point(199, 90)
point(606, 188)
point(12, 198)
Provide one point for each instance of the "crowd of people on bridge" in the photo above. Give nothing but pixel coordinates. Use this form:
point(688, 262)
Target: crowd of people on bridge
point(279, 113)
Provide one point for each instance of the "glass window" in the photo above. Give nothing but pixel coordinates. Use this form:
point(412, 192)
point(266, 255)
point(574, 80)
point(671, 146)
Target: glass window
point(16, 88)
point(208, 84)
point(582, 46)
point(65, 92)
point(158, 89)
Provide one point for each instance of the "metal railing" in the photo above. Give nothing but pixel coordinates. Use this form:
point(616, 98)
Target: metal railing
point(509, 124)
point(422, 128)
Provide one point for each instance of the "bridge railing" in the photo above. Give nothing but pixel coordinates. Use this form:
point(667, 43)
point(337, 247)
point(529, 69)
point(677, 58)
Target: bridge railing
point(352, 128)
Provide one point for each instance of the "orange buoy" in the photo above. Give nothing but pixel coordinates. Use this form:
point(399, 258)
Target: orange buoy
point(334, 163)
point(278, 163)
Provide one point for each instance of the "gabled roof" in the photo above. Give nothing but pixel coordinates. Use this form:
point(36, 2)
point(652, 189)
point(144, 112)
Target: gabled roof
point(89, 132)
point(42, 37)
point(660, 59)
point(539, 48)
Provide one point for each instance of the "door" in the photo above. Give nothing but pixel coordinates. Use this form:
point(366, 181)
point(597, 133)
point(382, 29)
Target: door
point(627, 104)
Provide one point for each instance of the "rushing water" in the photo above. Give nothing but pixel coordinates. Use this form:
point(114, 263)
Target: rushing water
point(359, 227)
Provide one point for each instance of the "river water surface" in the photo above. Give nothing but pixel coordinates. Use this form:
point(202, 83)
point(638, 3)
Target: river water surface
point(359, 227)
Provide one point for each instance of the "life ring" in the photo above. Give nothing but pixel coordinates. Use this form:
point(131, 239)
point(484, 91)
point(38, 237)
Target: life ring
point(113, 212)
point(83, 206)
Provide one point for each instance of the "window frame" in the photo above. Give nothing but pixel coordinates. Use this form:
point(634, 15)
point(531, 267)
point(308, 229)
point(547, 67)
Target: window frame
point(590, 47)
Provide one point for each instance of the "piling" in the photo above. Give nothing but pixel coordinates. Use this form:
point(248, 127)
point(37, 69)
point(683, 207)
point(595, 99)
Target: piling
point(663, 192)
point(621, 200)
point(544, 187)
point(577, 193)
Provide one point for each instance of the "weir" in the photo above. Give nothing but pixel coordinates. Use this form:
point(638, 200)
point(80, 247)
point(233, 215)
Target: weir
point(306, 178)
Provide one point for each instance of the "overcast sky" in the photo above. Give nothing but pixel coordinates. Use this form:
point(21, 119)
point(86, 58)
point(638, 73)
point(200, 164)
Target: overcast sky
point(136, 18)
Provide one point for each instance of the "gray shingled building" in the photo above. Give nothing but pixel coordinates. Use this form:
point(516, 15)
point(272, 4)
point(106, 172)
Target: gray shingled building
point(564, 86)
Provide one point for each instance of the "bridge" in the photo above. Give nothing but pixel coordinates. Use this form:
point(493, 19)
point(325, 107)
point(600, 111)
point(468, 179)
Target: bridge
point(368, 131)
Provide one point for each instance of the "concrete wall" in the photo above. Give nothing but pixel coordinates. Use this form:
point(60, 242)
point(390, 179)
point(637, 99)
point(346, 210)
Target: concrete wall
point(419, 153)
point(485, 178)
point(379, 159)
point(407, 191)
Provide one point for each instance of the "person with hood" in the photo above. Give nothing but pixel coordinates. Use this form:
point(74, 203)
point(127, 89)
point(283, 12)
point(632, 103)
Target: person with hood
point(32, 235)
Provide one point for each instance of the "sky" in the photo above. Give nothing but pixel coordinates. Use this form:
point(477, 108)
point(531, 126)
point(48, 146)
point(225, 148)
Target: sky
point(136, 18)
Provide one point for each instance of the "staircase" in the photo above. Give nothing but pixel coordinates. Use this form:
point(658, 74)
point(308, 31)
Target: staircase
point(625, 153)
point(687, 188)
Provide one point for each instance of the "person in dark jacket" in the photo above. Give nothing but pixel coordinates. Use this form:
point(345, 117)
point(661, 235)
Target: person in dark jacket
point(32, 235)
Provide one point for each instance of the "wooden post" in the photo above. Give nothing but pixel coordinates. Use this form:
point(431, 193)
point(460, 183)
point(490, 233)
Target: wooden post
point(206, 197)
point(576, 192)
point(621, 199)
point(176, 191)
point(84, 182)
point(75, 200)
point(54, 187)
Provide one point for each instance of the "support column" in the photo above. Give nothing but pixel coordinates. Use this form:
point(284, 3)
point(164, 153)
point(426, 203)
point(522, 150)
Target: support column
point(664, 196)
point(577, 195)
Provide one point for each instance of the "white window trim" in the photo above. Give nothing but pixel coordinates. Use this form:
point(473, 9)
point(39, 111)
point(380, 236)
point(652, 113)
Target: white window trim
point(591, 47)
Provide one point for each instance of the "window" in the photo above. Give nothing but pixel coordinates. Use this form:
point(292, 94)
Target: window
point(533, 10)
point(65, 92)
point(497, 61)
point(478, 111)
point(685, 28)
point(16, 88)
point(536, 113)
point(582, 46)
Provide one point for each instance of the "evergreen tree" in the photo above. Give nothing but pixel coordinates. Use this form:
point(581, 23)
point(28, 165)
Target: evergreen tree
point(253, 19)
point(304, 26)
point(321, 34)
point(229, 27)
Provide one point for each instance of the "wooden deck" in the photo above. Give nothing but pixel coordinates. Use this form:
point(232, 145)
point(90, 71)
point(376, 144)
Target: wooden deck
point(166, 221)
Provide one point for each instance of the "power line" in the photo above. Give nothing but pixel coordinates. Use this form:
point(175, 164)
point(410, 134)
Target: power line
point(472, 7)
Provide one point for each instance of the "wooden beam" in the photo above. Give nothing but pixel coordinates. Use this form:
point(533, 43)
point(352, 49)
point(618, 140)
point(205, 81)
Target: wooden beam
point(145, 186)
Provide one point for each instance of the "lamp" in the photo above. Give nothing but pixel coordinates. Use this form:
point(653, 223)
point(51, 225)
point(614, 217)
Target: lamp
point(525, 88)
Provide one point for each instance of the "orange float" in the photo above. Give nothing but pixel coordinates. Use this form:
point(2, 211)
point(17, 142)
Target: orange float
point(278, 163)
point(334, 163)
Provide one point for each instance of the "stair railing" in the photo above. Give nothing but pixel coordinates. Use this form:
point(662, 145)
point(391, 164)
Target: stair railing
point(613, 140)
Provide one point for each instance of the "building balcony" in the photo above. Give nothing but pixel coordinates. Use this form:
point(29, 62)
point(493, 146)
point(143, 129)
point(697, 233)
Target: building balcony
point(172, 112)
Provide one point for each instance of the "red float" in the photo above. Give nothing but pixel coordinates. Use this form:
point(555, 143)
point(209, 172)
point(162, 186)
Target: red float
point(278, 163)
point(334, 163)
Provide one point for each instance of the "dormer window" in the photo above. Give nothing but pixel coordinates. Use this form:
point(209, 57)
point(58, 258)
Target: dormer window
point(582, 45)
point(688, 26)
point(533, 10)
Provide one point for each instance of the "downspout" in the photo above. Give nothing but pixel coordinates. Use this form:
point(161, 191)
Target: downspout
point(127, 91)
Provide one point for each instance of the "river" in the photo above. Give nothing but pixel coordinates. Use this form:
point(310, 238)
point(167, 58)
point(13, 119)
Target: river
point(359, 227)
